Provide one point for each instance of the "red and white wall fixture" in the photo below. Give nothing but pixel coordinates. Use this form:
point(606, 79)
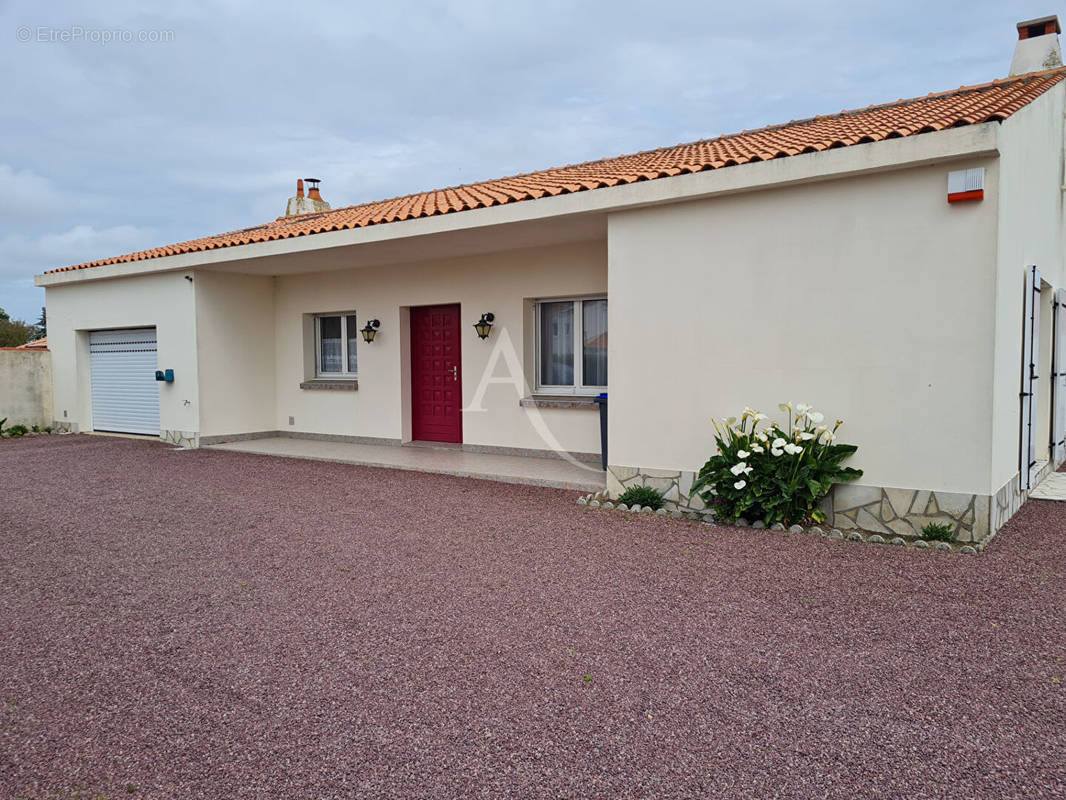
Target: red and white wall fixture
point(966, 185)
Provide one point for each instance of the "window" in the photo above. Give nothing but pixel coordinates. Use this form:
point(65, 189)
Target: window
point(571, 346)
point(335, 345)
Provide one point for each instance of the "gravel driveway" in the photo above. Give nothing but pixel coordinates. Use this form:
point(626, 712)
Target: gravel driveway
point(187, 624)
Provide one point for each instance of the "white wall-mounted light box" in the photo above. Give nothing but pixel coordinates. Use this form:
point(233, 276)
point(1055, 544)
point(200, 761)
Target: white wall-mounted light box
point(965, 185)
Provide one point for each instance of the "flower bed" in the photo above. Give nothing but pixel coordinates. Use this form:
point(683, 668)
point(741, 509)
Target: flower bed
point(772, 471)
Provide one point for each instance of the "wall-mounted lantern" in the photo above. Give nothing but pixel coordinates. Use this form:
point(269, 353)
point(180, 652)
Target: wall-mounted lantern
point(484, 325)
point(371, 330)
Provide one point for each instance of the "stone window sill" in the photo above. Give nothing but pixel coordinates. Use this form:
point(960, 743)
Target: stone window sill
point(563, 401)
point(335, 385)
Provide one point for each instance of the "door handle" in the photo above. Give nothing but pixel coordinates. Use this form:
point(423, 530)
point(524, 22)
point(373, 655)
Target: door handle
point(455, 372)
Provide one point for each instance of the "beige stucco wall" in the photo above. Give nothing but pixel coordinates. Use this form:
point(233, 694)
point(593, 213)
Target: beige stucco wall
point(502, 283)
point(868, 297)
point(1029, 232)
point(26, 387)
point(165, 301)
point(235, 352)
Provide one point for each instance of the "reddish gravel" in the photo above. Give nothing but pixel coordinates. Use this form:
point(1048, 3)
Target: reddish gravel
point(197, 624)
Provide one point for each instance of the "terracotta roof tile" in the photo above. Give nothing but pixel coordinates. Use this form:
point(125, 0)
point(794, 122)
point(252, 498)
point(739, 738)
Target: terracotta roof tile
point(967, 105)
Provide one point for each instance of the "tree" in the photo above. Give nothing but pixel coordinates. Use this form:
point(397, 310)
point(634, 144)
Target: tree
point(42, 324)
point(14, 332)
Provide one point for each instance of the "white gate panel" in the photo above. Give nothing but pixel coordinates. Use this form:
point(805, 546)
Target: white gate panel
point(1030, 360)
point(125, 394)
point(1058, 379)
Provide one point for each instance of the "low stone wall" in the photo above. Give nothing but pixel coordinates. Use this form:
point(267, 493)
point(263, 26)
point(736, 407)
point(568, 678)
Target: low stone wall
point(26, 387)
point(880, 510)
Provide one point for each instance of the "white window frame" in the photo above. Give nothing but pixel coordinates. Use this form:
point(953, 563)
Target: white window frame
point(319, 373)
point(579, 361)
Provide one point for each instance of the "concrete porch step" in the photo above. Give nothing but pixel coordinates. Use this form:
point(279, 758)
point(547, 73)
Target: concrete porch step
point(550, 472)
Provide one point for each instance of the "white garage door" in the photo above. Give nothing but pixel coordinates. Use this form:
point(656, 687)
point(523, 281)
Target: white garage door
point(125, 393)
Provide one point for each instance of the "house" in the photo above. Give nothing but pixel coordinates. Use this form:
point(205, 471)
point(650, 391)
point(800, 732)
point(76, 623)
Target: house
point(899, 266)
point(36, 344)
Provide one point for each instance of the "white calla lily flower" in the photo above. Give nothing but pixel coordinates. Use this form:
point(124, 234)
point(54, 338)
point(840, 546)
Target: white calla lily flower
point(743, 454)
point(803, 408)
point(736, 469)
point(778, 442)
point(816, 417)
point(776, 451)
point(758, 448)
point(740, 484)
point(792, 449)
point(806, 435)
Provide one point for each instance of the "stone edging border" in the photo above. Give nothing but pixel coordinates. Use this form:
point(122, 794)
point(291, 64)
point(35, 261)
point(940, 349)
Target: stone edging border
point(602, 501)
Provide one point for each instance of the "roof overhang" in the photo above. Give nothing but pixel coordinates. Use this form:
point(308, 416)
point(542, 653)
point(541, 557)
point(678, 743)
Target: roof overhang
point(568, 217)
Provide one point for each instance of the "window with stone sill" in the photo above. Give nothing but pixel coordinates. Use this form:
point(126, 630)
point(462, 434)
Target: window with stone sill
point(336, 353)
point(571, 346)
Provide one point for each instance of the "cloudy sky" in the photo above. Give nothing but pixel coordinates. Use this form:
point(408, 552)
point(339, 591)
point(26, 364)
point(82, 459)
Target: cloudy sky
point(198, 118)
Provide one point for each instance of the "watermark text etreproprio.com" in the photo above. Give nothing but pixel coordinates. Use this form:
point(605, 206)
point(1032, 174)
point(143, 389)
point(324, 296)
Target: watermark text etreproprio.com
point(47, 34)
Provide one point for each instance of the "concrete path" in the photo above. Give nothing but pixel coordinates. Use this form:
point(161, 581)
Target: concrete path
point(1053, 487)
point(551, 472)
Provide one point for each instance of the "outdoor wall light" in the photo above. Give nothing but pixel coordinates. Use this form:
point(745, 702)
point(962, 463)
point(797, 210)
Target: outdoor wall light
point(371, 330)
point(484, 325)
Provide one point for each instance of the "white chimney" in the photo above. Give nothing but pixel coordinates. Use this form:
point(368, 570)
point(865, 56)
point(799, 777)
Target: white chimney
point(306, 205)
point(1038, 46)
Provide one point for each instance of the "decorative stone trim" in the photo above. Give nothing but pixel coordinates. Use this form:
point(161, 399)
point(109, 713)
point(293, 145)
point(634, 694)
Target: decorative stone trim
point(558, 402)
point(890, 514)
point(187, 439)
point(903, 512)
point(976, 517)
point(674, 485)
point(1010, 497)
point(602, 501)
point(345, 385)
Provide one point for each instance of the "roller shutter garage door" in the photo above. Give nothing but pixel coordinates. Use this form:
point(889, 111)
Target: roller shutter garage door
point(125, 393)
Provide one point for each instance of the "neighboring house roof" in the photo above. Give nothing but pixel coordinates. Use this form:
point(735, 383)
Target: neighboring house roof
point(967, 105)
point(36, 344)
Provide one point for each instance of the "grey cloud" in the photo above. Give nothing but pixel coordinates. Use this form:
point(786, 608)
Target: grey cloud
point(138, 145)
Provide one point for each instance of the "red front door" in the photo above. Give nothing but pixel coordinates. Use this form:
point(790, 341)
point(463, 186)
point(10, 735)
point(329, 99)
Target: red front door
point(436, 374)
